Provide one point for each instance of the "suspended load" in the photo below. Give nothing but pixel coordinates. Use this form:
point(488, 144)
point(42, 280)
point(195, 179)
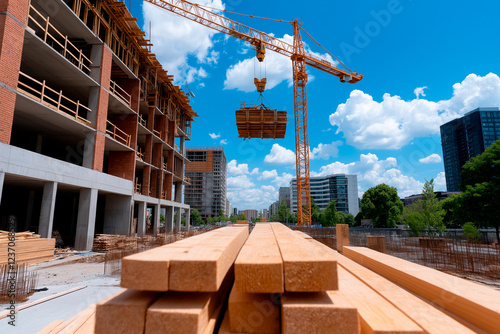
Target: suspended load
point(259, 121)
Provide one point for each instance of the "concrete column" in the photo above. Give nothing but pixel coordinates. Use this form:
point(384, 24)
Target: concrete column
point(85, 223)
point(182, 145)
point(117, 214)
point(88, 150)
point(2, 178)
point(141, 219)
point(178, 192)
point(47, 210)
point(169, 219)
point(188, 218)
point(178, 222)
point(156, 222)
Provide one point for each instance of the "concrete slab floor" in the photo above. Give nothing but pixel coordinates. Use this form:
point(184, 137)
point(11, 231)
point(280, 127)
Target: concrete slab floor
point(61, 275)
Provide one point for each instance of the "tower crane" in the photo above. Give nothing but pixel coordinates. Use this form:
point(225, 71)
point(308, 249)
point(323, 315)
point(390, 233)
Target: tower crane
point(300, 58)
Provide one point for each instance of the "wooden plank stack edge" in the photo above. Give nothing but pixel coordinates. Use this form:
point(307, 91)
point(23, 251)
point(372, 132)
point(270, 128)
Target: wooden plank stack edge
point(29, 247)
point(362, 291)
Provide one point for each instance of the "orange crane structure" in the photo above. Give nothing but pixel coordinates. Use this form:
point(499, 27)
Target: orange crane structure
point(300, 59)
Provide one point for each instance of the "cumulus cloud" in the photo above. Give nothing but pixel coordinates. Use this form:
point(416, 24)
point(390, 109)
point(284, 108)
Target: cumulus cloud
point(233, 168)
point(254, 171)
point(252, 198)
point(214, 136)
point(419, 91)
point(239, 182)
point(186, 47)
point(431, 159)
point(280, 156)
point(283, 180)
point(325, 151)
point(372, 171)
point(440, 182)
point(223, 142)
point(268, 174)
point(393, 122)
point(278, 69)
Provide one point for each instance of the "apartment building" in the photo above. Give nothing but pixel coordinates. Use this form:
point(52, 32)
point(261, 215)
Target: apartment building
point(207, 176)
point(92, 128)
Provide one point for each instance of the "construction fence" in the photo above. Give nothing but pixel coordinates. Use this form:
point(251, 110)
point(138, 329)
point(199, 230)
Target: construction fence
point(450, 252)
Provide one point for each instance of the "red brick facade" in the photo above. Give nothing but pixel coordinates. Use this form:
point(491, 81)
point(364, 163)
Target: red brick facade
point(122, 164)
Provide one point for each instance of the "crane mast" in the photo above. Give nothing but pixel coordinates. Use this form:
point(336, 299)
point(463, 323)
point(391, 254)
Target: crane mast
point(300, 61)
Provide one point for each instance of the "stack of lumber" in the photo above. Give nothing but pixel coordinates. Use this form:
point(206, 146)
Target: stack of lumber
point(176, 288)
point(260, 122)
point(28, 247)
point(110, 242)
point(81, 323)
point(286, 282)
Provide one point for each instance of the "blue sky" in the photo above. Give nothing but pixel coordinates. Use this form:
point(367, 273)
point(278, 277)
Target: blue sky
point(424, 63)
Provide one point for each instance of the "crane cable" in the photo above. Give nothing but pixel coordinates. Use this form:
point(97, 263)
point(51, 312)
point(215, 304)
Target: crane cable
point(253, 16)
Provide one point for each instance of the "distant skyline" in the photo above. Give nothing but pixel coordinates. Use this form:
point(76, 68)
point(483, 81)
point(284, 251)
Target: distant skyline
point(424, 63)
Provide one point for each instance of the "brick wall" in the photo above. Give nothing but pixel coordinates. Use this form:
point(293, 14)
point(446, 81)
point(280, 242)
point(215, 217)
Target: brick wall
point(16, 8)
point(7, 104)
point(122, 164)
point(146, 180)
point(98, 158)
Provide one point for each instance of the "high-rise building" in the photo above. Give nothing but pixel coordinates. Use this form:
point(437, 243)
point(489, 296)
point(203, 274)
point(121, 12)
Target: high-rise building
point(466, 137)
point(285, 194)
point(250, 214)
point(207, 177)
point(92, 129)
point(324, 189)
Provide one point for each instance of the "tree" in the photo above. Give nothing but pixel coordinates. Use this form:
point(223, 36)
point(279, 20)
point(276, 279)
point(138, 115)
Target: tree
point(382, 205)
point(196, 217)
point(470, 231)
point(451, 217)
point(315, 212)
point(481, 188)
point(243, 217)
point(233, 219)
point(413, 218)
point(345, 218)
point(330, 214)
point(283, 212)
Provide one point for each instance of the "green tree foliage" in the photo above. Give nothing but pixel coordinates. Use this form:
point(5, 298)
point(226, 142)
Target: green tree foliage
point(382, 205)
point(315, 212)
point(345, 218)
point(283, 212)
point(425, 215)
point(243, 217)
point(233, 219)
point(196, 217)
point(480, 199)
point(470, 231)
point(330, 214)
point(451, 217)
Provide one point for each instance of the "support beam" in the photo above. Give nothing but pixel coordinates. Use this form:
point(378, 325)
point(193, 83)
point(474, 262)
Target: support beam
point(2, 179)
point(178, 192)
point(85, 224)
point(188, 218)
point(117, 214)
point(342, 236)
point(141, 219)
point(178, 222)
point(47, 210)
point(169, 219)
point(156, 221)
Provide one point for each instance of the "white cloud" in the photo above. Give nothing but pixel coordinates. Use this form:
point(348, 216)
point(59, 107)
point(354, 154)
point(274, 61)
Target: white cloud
point(440, 182)
point(254, 171)
point(393, 123)
point(283, 180)
point(234, 169)
point(419, 91)
point(223, 142)
point(214, 136)
point(371, 171)
point(431, 159)
point(278, 69)
point(184, 39)
point(254, 198)
point(239, 182)
point(280, 156)
point(268, 174)
point(325, 151)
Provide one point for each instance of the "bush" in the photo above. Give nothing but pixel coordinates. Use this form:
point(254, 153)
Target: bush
point(471, 232)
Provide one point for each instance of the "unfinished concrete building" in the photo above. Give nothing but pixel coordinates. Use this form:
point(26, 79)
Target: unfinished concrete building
point(206, 172)
point(92, 129)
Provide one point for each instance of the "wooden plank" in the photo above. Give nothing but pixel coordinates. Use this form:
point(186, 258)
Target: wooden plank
point(202, 268)
point(254, 312)
point(124, 312)
point(259, 267)
point(225, 326)
point(210, 253)
point(185, 312)
point(475, 303)
point(342, 236)
point(318, 312)
point(306, 268)
point(79, 320)
point(50, 327)
point(376, 314)
point(88, 327)
point(376, 242)
point(41, 300)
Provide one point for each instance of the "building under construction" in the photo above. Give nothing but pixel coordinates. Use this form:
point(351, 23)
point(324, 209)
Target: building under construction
point(92, 128)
